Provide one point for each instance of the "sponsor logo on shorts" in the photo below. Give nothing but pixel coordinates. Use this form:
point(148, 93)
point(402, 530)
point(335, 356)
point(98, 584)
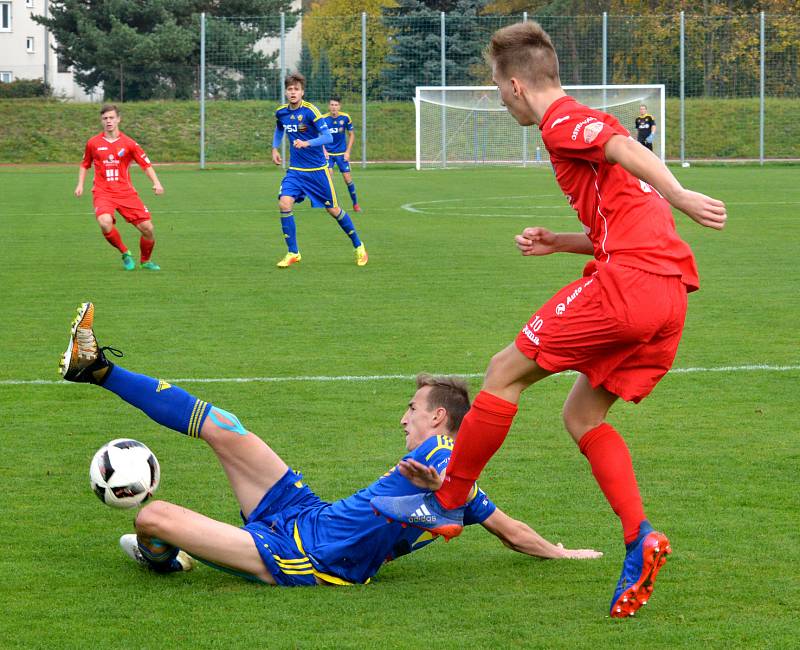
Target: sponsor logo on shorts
point(580, 125)
point(562, 306)
point(591, 132)
point(532, 328)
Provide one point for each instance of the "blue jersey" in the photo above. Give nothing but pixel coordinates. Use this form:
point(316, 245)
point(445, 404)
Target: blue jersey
point(339, 126)
point(348, 540)
point(303, 123)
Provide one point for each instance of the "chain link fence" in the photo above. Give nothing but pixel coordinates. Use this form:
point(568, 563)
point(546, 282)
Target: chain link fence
point(731, 81)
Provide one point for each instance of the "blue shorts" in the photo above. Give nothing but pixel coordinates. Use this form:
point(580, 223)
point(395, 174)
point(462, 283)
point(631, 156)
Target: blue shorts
point(316, 185)
point(272, 526)
point(337, 160)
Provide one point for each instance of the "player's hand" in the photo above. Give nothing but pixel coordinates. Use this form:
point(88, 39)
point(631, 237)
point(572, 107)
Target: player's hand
point(158, 189)
point(79, 190)
point(536, 241)
point(422, 476)
point(300, 144)
point(649, 139)
point(346, 156)
point(276, 157)
point(579, 553)
point(706, 211)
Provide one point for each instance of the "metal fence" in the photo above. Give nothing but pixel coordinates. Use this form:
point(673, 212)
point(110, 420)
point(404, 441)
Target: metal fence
point(731, 81)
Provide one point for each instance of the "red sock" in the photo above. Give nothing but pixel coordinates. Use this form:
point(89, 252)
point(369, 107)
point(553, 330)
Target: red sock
point(113, 238)
point(146, 248)
point(481, 434)
point(613, 470)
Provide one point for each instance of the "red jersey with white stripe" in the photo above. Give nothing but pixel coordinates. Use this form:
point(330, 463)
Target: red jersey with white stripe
point(628, 222)
point(112, 159)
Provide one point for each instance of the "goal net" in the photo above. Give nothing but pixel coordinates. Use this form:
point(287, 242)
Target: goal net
point(467, 125)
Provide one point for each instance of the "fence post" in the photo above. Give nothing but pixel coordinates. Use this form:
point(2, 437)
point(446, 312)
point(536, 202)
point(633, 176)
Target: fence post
point(761, 92)
point(444, 92)
point(605, 58)
point(524, 128)
point(203, 90)
point(363, 89)
point(683, 88)
point(283, 80)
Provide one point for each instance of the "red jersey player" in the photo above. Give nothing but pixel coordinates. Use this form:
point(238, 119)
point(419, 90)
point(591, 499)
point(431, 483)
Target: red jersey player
point(111, 152)
point(618, 326)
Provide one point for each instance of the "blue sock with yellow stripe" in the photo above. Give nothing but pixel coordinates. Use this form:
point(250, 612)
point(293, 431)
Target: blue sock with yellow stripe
point(289, 231)
point(168, 405)
point(346, 224)
point(351, 187)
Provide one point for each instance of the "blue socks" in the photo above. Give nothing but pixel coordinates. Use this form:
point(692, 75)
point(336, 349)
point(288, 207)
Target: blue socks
point(346, 224)
point(351, 187)
point(289, 231)
point(168, 405)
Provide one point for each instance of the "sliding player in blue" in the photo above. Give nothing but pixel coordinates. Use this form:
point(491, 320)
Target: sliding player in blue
point(290, 536)
point(308, 174)
point(341, 127)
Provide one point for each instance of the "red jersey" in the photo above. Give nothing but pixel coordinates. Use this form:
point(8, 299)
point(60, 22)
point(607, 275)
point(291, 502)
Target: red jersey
point(627, 221)
point(112, 159)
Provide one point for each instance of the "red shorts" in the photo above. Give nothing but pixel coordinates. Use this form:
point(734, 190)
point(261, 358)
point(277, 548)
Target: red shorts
point(130, 206)
point(618, 326)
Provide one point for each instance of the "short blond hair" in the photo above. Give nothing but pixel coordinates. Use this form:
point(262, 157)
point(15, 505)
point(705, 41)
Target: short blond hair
point(525, 50)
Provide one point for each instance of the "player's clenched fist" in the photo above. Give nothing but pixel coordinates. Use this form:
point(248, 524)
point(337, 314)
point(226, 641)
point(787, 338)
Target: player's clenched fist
point(536, 241)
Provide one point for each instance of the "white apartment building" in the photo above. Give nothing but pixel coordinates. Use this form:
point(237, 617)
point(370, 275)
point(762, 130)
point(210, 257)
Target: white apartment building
point(26, 51)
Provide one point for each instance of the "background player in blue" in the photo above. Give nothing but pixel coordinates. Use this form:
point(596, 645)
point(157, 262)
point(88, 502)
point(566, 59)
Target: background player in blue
point(341, 127)
point(290, 536)
point(308, 174)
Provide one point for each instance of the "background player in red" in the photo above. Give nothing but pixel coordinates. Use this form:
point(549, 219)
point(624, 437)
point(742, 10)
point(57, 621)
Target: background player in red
point(111, 152)
point(618, 326)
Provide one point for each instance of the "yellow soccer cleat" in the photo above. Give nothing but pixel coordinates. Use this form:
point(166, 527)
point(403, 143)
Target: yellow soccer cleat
point(361, 256)
point(289, 259)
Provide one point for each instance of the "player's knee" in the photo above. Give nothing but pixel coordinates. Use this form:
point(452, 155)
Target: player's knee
point(579, 421)
point(146, 228)
point(154, 518)
point(106, 222)
point(285, 204)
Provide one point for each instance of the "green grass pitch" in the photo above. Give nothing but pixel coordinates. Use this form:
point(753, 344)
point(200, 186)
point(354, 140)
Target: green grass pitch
point(715, 447)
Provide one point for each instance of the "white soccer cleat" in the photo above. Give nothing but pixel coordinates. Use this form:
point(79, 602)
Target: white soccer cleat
point(130, 546)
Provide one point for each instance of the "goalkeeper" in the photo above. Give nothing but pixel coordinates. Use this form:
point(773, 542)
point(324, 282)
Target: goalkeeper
point(645, 127)
point(290, 536)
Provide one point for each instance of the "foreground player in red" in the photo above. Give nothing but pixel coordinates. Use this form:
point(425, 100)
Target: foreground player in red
point(618, 326)
point(111, 152)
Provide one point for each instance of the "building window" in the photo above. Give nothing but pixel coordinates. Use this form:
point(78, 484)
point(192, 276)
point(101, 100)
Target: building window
point(29, 44)
point(5, 77)
point(29, 4)
point(5, 16)
point(63, 65)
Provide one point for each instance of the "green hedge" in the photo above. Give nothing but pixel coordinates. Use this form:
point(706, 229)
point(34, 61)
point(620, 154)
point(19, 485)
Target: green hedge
point(25, 88)
point(53, 131)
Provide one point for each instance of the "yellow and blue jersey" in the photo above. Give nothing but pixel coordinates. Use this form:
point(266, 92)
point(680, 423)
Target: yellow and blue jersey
point(346, 538)
point(303, 123)
point(339, 126)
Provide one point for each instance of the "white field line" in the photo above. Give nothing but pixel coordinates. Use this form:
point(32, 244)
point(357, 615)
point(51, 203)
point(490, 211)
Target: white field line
point(366, 378)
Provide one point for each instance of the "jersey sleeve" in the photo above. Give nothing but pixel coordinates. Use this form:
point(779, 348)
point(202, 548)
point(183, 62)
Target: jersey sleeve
point(349, 124)
point(86, 162)
point(140, 156)
point(434, 452)
point(581, 135)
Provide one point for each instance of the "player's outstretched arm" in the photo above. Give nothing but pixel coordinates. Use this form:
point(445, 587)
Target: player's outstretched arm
point(644, 164)
point(540, 241)
point(81, 180)
point(424, 477)
point(520, 537)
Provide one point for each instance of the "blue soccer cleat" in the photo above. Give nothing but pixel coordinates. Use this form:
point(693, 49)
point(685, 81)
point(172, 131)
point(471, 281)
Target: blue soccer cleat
point(421, 511)
point(644, 559)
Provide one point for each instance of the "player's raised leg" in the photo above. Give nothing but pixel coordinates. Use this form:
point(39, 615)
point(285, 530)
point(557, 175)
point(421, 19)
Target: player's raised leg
point(585, 411)
point(112, 236)
point(480, 435)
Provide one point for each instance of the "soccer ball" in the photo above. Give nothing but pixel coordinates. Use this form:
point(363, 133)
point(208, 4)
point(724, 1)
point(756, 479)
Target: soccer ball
point(124, 473)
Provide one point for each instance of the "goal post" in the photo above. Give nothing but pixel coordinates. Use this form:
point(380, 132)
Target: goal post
point(467, 125)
